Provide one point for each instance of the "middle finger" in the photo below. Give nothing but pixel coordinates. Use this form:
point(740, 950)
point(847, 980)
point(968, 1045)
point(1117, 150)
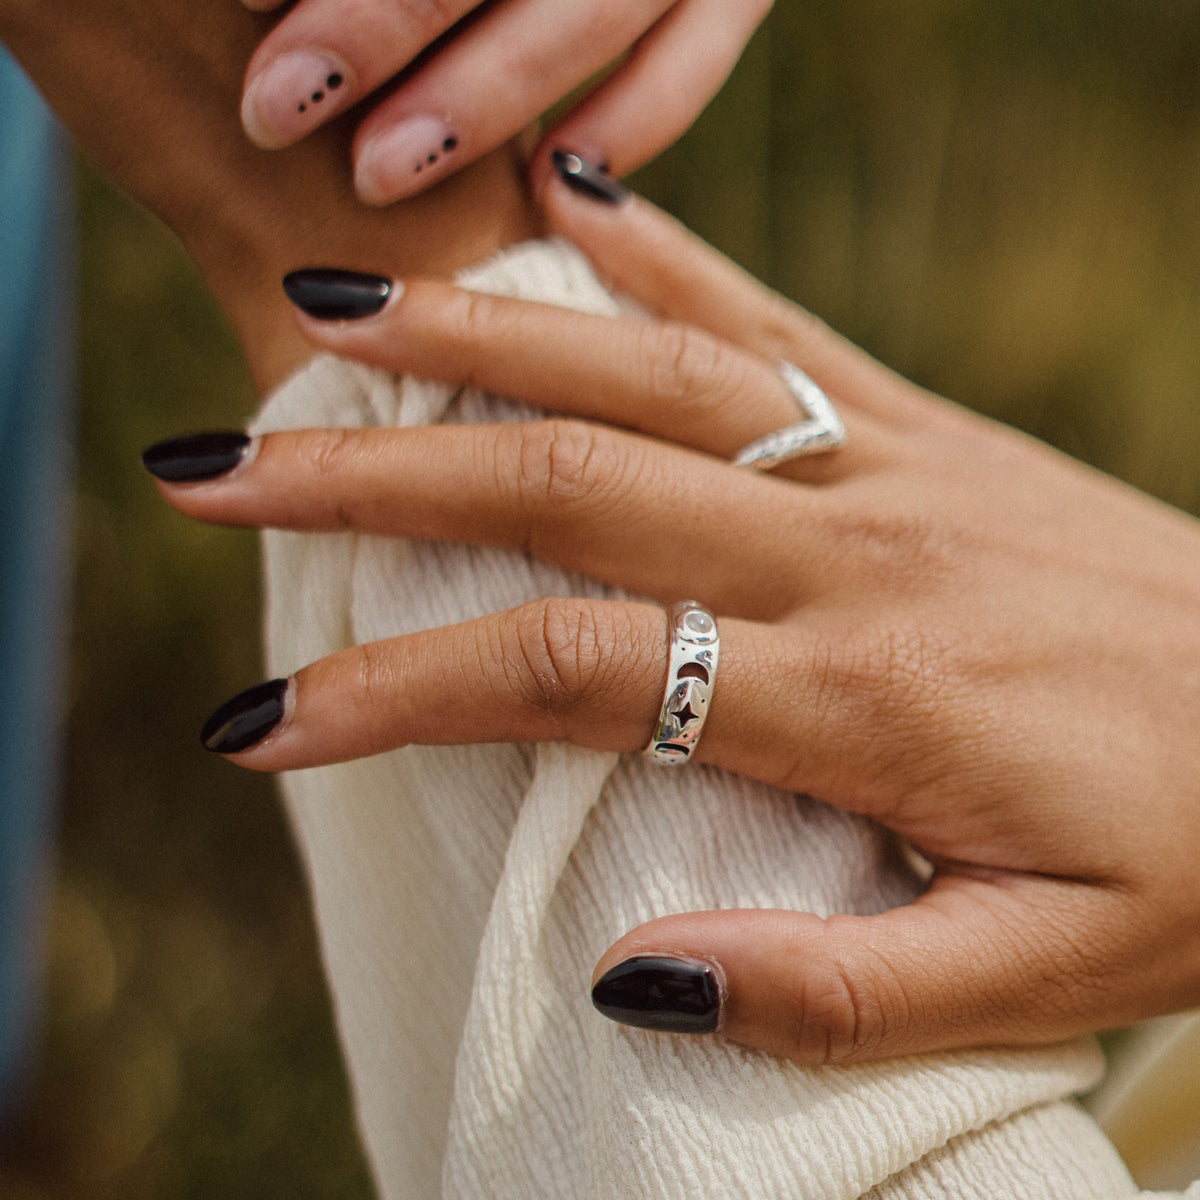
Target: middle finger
point(657, 519)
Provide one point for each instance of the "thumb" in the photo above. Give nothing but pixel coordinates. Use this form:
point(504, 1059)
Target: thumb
point(973, 961)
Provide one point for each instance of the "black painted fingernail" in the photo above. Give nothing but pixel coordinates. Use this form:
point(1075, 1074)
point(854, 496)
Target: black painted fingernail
point(196, 456)
point(246, 719)
point(587, 178)
point(651, 991)
point(331, 294)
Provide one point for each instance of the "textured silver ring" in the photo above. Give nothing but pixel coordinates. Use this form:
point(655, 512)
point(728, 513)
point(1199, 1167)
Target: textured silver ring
point(821, 429)
point(691, 673)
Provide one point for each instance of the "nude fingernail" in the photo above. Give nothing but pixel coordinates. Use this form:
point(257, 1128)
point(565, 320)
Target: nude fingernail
point(400, 160)
point(293, 95)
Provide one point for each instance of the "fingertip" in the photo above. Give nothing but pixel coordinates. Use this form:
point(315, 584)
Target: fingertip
point(289, 95)
point(397, 156)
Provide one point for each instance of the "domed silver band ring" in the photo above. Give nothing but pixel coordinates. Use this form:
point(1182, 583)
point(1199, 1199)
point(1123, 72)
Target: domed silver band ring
point(694, 646)
point(821, 429)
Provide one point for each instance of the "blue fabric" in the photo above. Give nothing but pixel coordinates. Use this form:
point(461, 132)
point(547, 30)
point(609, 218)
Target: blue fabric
point(36, 384)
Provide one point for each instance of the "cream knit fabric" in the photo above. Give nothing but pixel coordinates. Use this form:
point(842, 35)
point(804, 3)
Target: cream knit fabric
point(463, 895)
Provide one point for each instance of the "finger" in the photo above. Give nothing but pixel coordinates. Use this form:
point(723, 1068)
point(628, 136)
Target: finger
point(660, 89)
point(315, 63)
point(655, 259)
point(670, 380)
point(1010, 960)
point(613, 506)
point(493, 78)
point(586, 672)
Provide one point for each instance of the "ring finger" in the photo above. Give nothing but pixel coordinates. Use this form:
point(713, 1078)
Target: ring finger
point(586, 672)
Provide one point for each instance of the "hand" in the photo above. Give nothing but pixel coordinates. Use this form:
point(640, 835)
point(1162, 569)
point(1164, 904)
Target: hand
point(946, 626)
point(149, 90)
point(493, 70)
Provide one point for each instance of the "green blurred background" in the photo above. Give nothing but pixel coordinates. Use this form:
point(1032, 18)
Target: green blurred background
point(999, 199)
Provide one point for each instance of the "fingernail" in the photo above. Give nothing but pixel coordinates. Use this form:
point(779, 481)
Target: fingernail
point(400, 160)
point(293, 95)
point(196, 456)
point(650, 991)
point(331, 294)
point(246, 719)
point(587, 178)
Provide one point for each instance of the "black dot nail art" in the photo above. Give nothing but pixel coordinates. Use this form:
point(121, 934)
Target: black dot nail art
point(332, 83)
point(448, 144)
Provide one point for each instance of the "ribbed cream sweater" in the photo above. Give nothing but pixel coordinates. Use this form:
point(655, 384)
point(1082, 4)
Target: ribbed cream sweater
point(463, 895)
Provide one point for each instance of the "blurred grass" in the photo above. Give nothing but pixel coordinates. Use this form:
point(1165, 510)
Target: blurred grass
point(998, 199)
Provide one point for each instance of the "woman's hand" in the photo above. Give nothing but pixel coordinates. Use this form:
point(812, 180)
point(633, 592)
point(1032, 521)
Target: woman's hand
point(945, 626)
point(475, 75)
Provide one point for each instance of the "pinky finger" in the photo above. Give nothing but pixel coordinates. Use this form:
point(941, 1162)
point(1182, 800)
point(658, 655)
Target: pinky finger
point(674, 70)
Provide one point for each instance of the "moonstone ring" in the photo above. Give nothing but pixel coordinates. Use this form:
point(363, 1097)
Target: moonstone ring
point(691, 673)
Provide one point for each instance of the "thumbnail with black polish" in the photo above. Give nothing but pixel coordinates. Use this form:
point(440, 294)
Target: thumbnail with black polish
point(672, 995)
point(331, 294)
point(587, 178)
point(195, 456)
point(246, 719)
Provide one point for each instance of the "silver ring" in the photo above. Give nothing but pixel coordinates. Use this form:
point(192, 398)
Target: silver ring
point(691, 673)
point(821, 429)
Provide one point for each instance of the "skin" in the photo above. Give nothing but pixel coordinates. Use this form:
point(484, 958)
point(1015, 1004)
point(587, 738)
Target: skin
point(946, 626)
point(150, 88)
point(494, 70)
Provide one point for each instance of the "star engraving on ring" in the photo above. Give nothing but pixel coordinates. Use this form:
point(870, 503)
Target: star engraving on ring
point(685, 715)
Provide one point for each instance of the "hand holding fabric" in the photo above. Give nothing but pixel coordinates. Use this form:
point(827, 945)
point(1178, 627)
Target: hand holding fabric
point(946, 626)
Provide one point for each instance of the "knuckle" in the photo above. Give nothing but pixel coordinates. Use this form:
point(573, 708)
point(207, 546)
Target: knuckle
point(325, 453)
point(562, 463)
point(846, 1013)
point(433, 17)
point(897, 547)
point(557, 651)
point(690, 369)
point(785, 330)
point(471, 319)
point(374, 677)
point(885, 697)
